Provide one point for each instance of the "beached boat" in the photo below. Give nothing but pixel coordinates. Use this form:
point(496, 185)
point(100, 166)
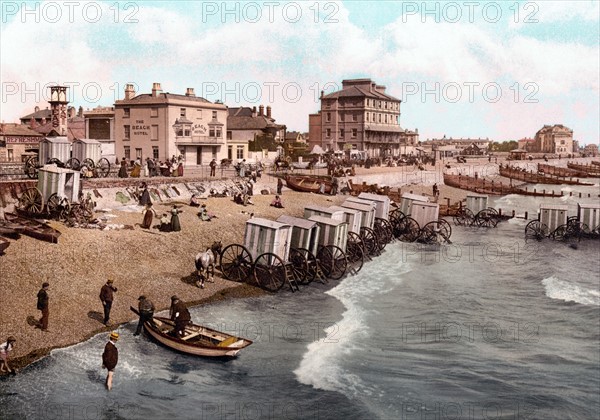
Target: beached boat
point(308, 183)
point(4, 243)
point(197, 341)
point(31, 227)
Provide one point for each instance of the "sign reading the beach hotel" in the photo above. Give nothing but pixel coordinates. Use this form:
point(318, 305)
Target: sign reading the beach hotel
point(140, 129)
point(198, 129)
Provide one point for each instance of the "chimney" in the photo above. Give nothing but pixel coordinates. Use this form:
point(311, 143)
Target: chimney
point(32, 122)
point(43, 121)
point(253, 112)
point(129, 92)
point(261, 110)
point(36, 109)
point(268, 112)
point(156, 89)
point(322, 93)
point(190, 92)
point(80, 112)
point(71, 111)
point(2, 128)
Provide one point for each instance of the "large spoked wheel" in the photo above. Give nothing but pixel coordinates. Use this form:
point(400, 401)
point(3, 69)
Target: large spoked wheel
point(32, 201)
point(73, 163)
point(409, 230)
point(103, 168)
point(311, 265)
point(560, 233)
point(536, 229)
point(445, 229)
point(369, 240)
point(58, 207)
point(269, 272)
point(395, 217)
point(431, 234)
point(355, 256)
point(487, 218)
point(464, 217)
point(332, 261)
point(383, 231)
point(236, 263)
point(299, 266)
point(89, 163)
point(31, 167)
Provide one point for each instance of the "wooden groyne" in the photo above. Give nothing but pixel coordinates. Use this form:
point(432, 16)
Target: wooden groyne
point(531, 177)
point(591, 170)
point(482, 186)
point(561, 171)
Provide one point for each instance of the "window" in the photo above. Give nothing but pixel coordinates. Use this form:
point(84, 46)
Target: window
point(328, 132)
point(342, 132)
point(154, 133)
point(373, 117)
point(379, 117)
point(240, 152)
point(367, 117)
point(368, 102)
point(214, 152)
point(127, 153)
point(354, 117)
point(154, 112)
point(219, 133)
point(11, 155)
point(182, 112)
point(386, 118)
point(354, 132)
point(385, 105)
point(342, 117)
point(211, 132)
point(328, 117)
point(126, 112)
point(138, 154)
point(214, 113)
point(327, 104)
point(155, 152)
point(229, 152)
point(379, 104)
point(229, 135)
point(127, 130)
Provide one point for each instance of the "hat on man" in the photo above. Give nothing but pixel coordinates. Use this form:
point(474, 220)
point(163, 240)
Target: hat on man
point(45, 284)
point(109, 281)
point(11, 339)
point(142, 297)
point(114, 336)
point(174, 297)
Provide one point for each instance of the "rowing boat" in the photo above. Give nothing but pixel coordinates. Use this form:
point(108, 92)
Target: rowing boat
point(33, 228)
point(197, 341)
point(308, 183)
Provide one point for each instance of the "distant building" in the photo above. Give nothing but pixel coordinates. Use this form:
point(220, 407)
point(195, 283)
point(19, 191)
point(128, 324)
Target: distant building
point(591, 150)
point(100, 126)
point(473, 146)
point(360, 116)
point(17, 142)
point(245, 124)
point(527, 144)
point(161, 125)
point(556, 139)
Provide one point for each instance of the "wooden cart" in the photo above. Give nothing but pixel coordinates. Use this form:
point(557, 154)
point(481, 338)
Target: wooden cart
point(87, 158)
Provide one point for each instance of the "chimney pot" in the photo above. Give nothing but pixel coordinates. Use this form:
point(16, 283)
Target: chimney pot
point(268, 112)
point(156, 89)
point(190, 92)
point(129, 91)
point(253, 112)
point(261, 110)
point(36, 109)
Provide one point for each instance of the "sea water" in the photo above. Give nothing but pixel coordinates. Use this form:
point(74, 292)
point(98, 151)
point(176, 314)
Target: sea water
point(490, 326)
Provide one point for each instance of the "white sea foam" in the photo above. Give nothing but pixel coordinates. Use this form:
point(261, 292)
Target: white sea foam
point(322, 364)
point(570, 292)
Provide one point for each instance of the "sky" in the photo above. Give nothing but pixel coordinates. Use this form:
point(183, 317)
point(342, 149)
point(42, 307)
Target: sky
point(491, 69)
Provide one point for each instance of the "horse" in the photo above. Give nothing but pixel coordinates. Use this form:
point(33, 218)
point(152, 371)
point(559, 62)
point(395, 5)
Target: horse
point(205, 263)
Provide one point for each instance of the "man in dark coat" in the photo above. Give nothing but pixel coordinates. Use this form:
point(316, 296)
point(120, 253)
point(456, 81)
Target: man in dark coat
point(106, 296)
point(145, 196)
point(213, 167)
point(146, 310)
point(110, 358)
point(181, 316)
point(42, 305)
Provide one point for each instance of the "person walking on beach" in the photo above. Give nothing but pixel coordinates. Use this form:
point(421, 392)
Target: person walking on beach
point(149, 214)
point(180, 315)
point(435, 190)
point(42, 305)
point(213, 167)
point(145, 196)
point(106, 296)
point(146, 310)
point(5, 349)
point(279, 186)
point(110, 358)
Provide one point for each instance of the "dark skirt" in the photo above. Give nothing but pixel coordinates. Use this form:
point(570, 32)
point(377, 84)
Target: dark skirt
point(123, 172)
point(175, 226)
point(148, 216)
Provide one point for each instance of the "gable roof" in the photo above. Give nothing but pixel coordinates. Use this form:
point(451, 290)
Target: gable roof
point(37, 115)
point(360, 92)
point(12, 129)
point(241, 118)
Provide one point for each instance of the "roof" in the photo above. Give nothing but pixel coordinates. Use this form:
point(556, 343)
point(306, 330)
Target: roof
point(361, 88)
point(266, 223)
point(241, 118)
point(88, 141)
point(11, 129)
point(62, 139)
point(297, 222)
point(38, 115)
point(146, 98)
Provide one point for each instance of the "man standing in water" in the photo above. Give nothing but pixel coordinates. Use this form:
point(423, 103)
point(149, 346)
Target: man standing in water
point(106, 296)
point(42, 305)
point(146, 310)
point(110, 358)
point(181, 316)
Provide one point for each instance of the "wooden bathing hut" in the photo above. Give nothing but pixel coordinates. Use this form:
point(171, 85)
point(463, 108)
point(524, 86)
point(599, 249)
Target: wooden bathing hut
point(382, 202)
point(331, 232)
point(58, 148)
point(87, 149)
point(408, 199)
point(476, 202)
point(267, 236)
point(305, 233)
point(424, 212)
point(553, 215)
point(60, 181)
point(352, 216)
point(589, 215)
point(367, 210)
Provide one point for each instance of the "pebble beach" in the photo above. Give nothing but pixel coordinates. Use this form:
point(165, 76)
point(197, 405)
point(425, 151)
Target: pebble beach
point(139, 261)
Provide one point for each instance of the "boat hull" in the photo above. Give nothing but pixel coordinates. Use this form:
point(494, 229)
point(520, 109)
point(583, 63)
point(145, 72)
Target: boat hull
point(308, 183)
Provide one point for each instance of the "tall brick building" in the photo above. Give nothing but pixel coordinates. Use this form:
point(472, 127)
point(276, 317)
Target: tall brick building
point(360, 116)
point(554, 139)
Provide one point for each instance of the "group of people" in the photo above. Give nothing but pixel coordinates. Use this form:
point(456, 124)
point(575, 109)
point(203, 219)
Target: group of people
point(152, 167)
